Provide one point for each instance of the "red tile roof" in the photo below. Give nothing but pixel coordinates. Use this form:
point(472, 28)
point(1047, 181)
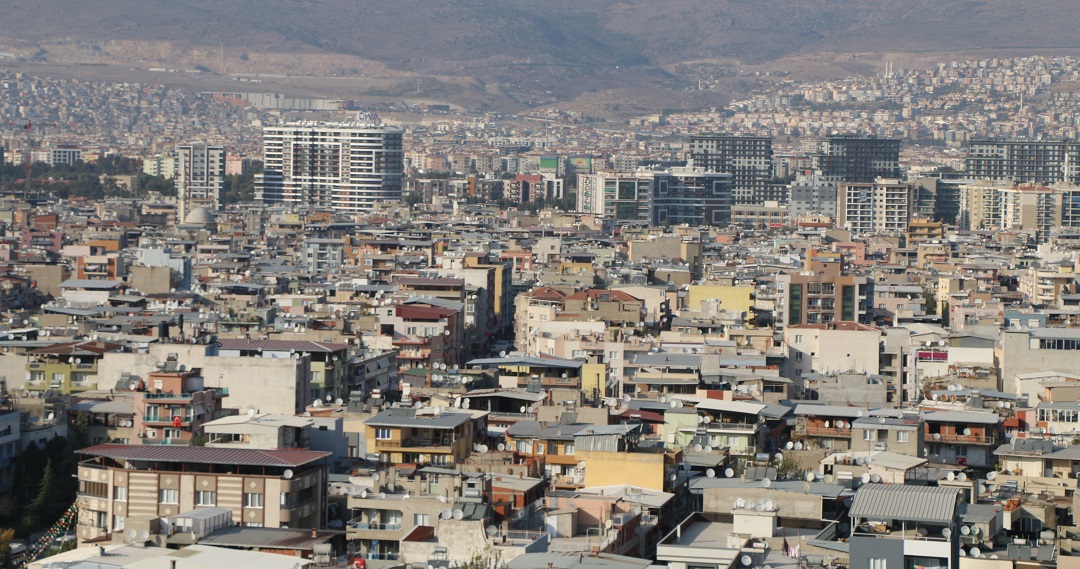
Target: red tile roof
point(205, 455)
point(594, 294)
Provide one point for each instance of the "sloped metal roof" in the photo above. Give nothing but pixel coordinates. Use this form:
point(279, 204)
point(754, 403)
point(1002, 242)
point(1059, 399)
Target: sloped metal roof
point(912, 503)
point(205, 455)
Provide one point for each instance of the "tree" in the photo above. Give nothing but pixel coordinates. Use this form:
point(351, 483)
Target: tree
point(482, 561)
point(930, 300)
point(37, 511)
point(790, 469)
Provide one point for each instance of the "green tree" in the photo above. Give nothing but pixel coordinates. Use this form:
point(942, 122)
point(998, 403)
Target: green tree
point(930, 300)
point(37, 511)
point(789, 469)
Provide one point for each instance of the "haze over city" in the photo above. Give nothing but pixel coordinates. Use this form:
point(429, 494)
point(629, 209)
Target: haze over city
point(567, 285)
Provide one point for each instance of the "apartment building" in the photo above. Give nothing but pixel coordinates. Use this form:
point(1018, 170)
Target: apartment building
point(857, 160)
point(200, 177)
point(175, 405)
point(1024, 161)
point(884, 205)
point(820, 297)
point(263, 488)
point(749, 160)
point(433, 436)
point(348, 167)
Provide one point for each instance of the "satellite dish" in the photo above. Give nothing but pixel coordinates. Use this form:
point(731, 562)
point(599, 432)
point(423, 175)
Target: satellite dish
point(962, 477)
point(131, 534)
point(50, 416)
point(251, 412)
point(746, 560)
point(502, 354)
point(458, 514)
point(760, 506)
point(288, 474)
point(467, 403)
point(790, 445)
point(144, 535)
point(483, 448)
point(798, 446)
point(766, 483)
point(446, 514)
point(317, 403)
point(865, 478)
point(710, 473)
point(739, 503)
point(965, 530)
point(698, 447)
point(729, 472)
point(950, 476)
point(522, 409)
point(769, 505)
point(708, 448)
point(829, 478)
point(946, 533)
point(339, 401)
point(810, 477)
point(375, 477)
point(967, 432)
point(382, 495)
point(975, 552)
point(441, 498)
point(875, 478)
point(501, 447)
point(826, 424)
point(363, 493)
point(991, 475)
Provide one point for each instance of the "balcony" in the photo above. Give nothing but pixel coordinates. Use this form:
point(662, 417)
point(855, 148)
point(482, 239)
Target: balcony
point(424, 445)
point(844, 433)
point(414, 355)
point(166, 421)
point(974, 439)
point(360, 524)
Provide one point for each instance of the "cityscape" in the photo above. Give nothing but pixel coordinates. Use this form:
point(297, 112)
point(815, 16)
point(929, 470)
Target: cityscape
point(825, 320)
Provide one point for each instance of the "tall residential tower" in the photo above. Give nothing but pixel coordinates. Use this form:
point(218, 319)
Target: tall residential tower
point(348, 167)
point(749, 160)
point(200, 176)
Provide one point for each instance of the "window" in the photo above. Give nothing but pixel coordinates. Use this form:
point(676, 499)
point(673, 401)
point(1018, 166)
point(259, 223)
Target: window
point(420, 519)
point(869, 435)
point(798, 338)
point(568, 449)
point(118, 523)
point(205, 498)
point(902, 436)
point(382, 434)
point(253, 500)
point(252, 525)
point(539, 449)
point(169, 496)
point(120, 493)
point(151, 433)
point(876, 564)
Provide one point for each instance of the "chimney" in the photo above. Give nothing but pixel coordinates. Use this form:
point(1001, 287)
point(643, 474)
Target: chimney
point(314, 533)
point(101, 551)
point(172, 564)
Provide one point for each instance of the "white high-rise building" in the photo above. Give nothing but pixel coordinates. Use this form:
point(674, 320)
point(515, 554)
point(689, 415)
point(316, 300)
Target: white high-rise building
point(343, 166)
point(200, 177)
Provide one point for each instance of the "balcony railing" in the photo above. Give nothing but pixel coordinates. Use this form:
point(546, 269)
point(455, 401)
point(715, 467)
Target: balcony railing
point(824, 431)
point(360, 524)
point(961, 438)
point(415, 443)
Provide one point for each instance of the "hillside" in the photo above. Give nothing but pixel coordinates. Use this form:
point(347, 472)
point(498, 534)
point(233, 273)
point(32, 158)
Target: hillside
point(518, 51)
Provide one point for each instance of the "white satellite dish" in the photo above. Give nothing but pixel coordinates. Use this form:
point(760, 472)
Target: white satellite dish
point(810, 477)
point(769, 505)
point(446, 514)
point(458, 514)
point(251, 412)
point(962, 477)
point(698, 447)
point(991, 475)
point(441, 498)
point(950, 476)
point(522, 409)
point(363, 494)
point(875, 478)
point(288, 474)
point(975, 552)
point(798, 446)
point(766, 483)
point(708, 448)
point(339, 401)
point(946, 533)
point(467, 403)
point(779, 456)
point(317, 403)
point(760, 506)
point(729, 472)
point(965, 530)
point(865, 478)
point(382, 495)
point(501, 447)
point(747, 560)
point(710, 473)
point(826, 424)
point(790, 445)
